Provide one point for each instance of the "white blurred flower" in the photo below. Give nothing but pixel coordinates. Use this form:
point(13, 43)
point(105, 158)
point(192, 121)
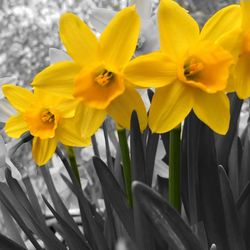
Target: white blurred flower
point(57, 55)
point(148, 40)
point(161, 168)
point(5, 80)
point(6, 162)
point(6, 110)
point(121, 245)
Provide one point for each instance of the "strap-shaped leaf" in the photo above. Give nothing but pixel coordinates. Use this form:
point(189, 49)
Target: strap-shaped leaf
point(224, 143)
point(210, 202)
point(165, 219)
point(93, 232)
point(235, 237)
point(74, 241)
point(115, 195)
point(137, 151)
point(8, 244)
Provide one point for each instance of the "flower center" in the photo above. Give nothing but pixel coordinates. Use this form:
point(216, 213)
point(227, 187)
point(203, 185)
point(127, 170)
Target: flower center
point(47, 117)
point(192, 68)
point(104, 78)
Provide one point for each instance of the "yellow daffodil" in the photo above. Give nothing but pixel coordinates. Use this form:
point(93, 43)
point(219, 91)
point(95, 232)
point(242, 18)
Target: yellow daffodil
point(96, 77)
point(190, 72)
point(238, 42)
point(47, 117)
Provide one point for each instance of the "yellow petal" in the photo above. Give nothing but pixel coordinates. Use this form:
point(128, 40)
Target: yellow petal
point(178, 30)
point(232, 42)
point(242, 77)
point(80, 42)
point(223, 21)
point(88, 119)
point(123, 106)
point(58, 78)
point(152, 70)
point(245, 8)
point(170, 106)
point(15, 126)
point(68, 134)
point(118, 41)
point(43, 149)
point(20, 98)
point(213, 110)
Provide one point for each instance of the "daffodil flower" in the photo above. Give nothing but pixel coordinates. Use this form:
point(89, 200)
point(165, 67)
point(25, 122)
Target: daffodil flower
point(47, 117)
point(190, 72)
point(148, 40)
point(238, 42)
point(95, 77)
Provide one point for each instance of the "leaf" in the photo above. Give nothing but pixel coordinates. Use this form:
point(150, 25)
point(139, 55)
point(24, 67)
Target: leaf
point(38, 223)
point(115, 195)
point(224, 143)
point(189, 167)
point(93, 233)
point(210, 201)
point(234, 234)
point(244, 179)
point(74, 241)
point(143, 229)
point(58, 204)
point(243, 195)
point(11, 205)
point(137, 151)
point(151, 149)
point(165, 219)
point(11, 229)
point(8, 244)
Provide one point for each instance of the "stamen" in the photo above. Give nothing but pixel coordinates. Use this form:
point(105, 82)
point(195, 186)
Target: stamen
point(104, 78)
point(193, 67)
point(47, 116)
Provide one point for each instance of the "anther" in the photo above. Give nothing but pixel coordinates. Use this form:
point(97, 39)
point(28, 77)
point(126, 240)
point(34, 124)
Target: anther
point(193, 67)
point(104, 78)
point(47, 117)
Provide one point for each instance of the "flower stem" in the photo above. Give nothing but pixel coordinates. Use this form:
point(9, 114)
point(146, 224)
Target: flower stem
point(174, 195)
point(126, 164)
point(73, 163)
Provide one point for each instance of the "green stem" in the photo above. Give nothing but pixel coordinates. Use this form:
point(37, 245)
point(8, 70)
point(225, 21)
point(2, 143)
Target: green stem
point(73, 163)
point(126, 164)
point(174, 195)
